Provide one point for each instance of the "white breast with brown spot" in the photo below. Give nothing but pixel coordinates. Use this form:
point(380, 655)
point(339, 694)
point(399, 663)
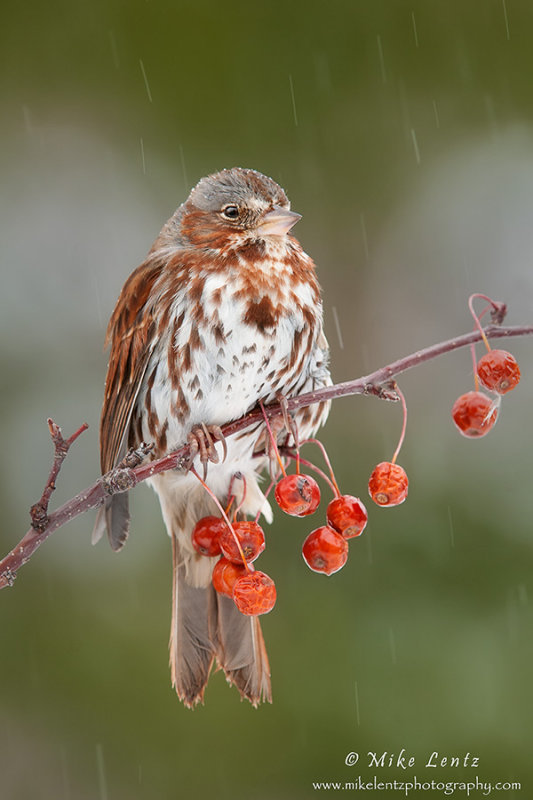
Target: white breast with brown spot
point(234, 364)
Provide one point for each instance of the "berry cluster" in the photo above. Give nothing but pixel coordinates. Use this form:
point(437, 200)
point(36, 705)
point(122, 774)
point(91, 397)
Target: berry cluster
point(238, 543)
point(326, 548)
point(475, 413)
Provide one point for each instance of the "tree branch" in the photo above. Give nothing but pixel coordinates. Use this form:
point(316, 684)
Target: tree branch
point(39, 511)
point(127, 474)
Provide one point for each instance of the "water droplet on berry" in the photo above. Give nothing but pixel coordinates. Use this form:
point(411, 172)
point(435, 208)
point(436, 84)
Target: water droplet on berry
point(254, 593)
point(474, 414)
point(347, 515)
point(498, 371)
point(297, 495)
point(251, 539)
point(325, 550)
point(206, 535)
point(225, 573)
point(388, 485)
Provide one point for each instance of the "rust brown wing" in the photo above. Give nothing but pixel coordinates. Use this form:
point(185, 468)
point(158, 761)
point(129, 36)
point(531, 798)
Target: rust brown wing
point(131, 332)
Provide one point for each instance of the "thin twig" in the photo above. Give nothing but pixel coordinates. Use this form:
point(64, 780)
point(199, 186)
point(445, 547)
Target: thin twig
point(377, 383)
point(404, 425)
point(286, 451)
point(39, 511)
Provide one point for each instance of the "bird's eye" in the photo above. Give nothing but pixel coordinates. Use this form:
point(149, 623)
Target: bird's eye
point(230, 212)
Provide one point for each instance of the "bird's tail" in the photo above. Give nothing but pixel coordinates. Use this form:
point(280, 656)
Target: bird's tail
point(206, 627)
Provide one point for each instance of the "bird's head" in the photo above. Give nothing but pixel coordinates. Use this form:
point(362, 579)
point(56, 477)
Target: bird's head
point(233, 206)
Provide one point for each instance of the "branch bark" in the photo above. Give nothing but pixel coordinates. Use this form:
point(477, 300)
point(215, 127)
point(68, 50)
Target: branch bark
point(125, 476)
point(39, 511)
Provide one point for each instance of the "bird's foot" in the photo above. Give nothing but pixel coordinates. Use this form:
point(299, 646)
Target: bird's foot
point(202, 440)
point(288, 419)
point(274, 438)
point(279, 430)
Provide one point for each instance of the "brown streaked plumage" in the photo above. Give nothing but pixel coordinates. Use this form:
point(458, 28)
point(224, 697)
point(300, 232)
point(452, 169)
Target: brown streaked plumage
point(225, 312)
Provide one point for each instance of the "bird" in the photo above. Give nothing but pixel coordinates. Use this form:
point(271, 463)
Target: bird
point(225, 313)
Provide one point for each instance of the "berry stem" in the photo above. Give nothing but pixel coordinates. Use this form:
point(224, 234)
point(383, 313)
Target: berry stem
point(272, 440)
point(269, 489)
point(333, 483)
point(243, 479)
point(291, 426)
point(230, 503)
point(478, 318)
point(404, 425)
point(474, 366)
point(224, 515)
point(334, 488)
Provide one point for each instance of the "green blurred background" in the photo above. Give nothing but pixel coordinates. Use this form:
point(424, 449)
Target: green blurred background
point(403, 132)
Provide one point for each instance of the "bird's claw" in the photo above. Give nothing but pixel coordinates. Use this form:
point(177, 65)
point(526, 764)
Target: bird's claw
point(288, 419)
point(278, 425)
point(202, 440)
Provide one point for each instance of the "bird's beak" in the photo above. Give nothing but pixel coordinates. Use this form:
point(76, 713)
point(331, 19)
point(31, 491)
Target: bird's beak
point(277, 222)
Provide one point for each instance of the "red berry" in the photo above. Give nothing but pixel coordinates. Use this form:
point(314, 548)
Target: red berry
point(297, 495)
point(254, 593)
point(474, 414)
point(498, 371)
point(206, 535)
point(388, 484)
point(225, 573)
point(251, 538)
point(347, 515)
point(325, 550)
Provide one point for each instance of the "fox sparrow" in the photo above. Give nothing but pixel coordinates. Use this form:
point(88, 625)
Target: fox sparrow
point(224, 312)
